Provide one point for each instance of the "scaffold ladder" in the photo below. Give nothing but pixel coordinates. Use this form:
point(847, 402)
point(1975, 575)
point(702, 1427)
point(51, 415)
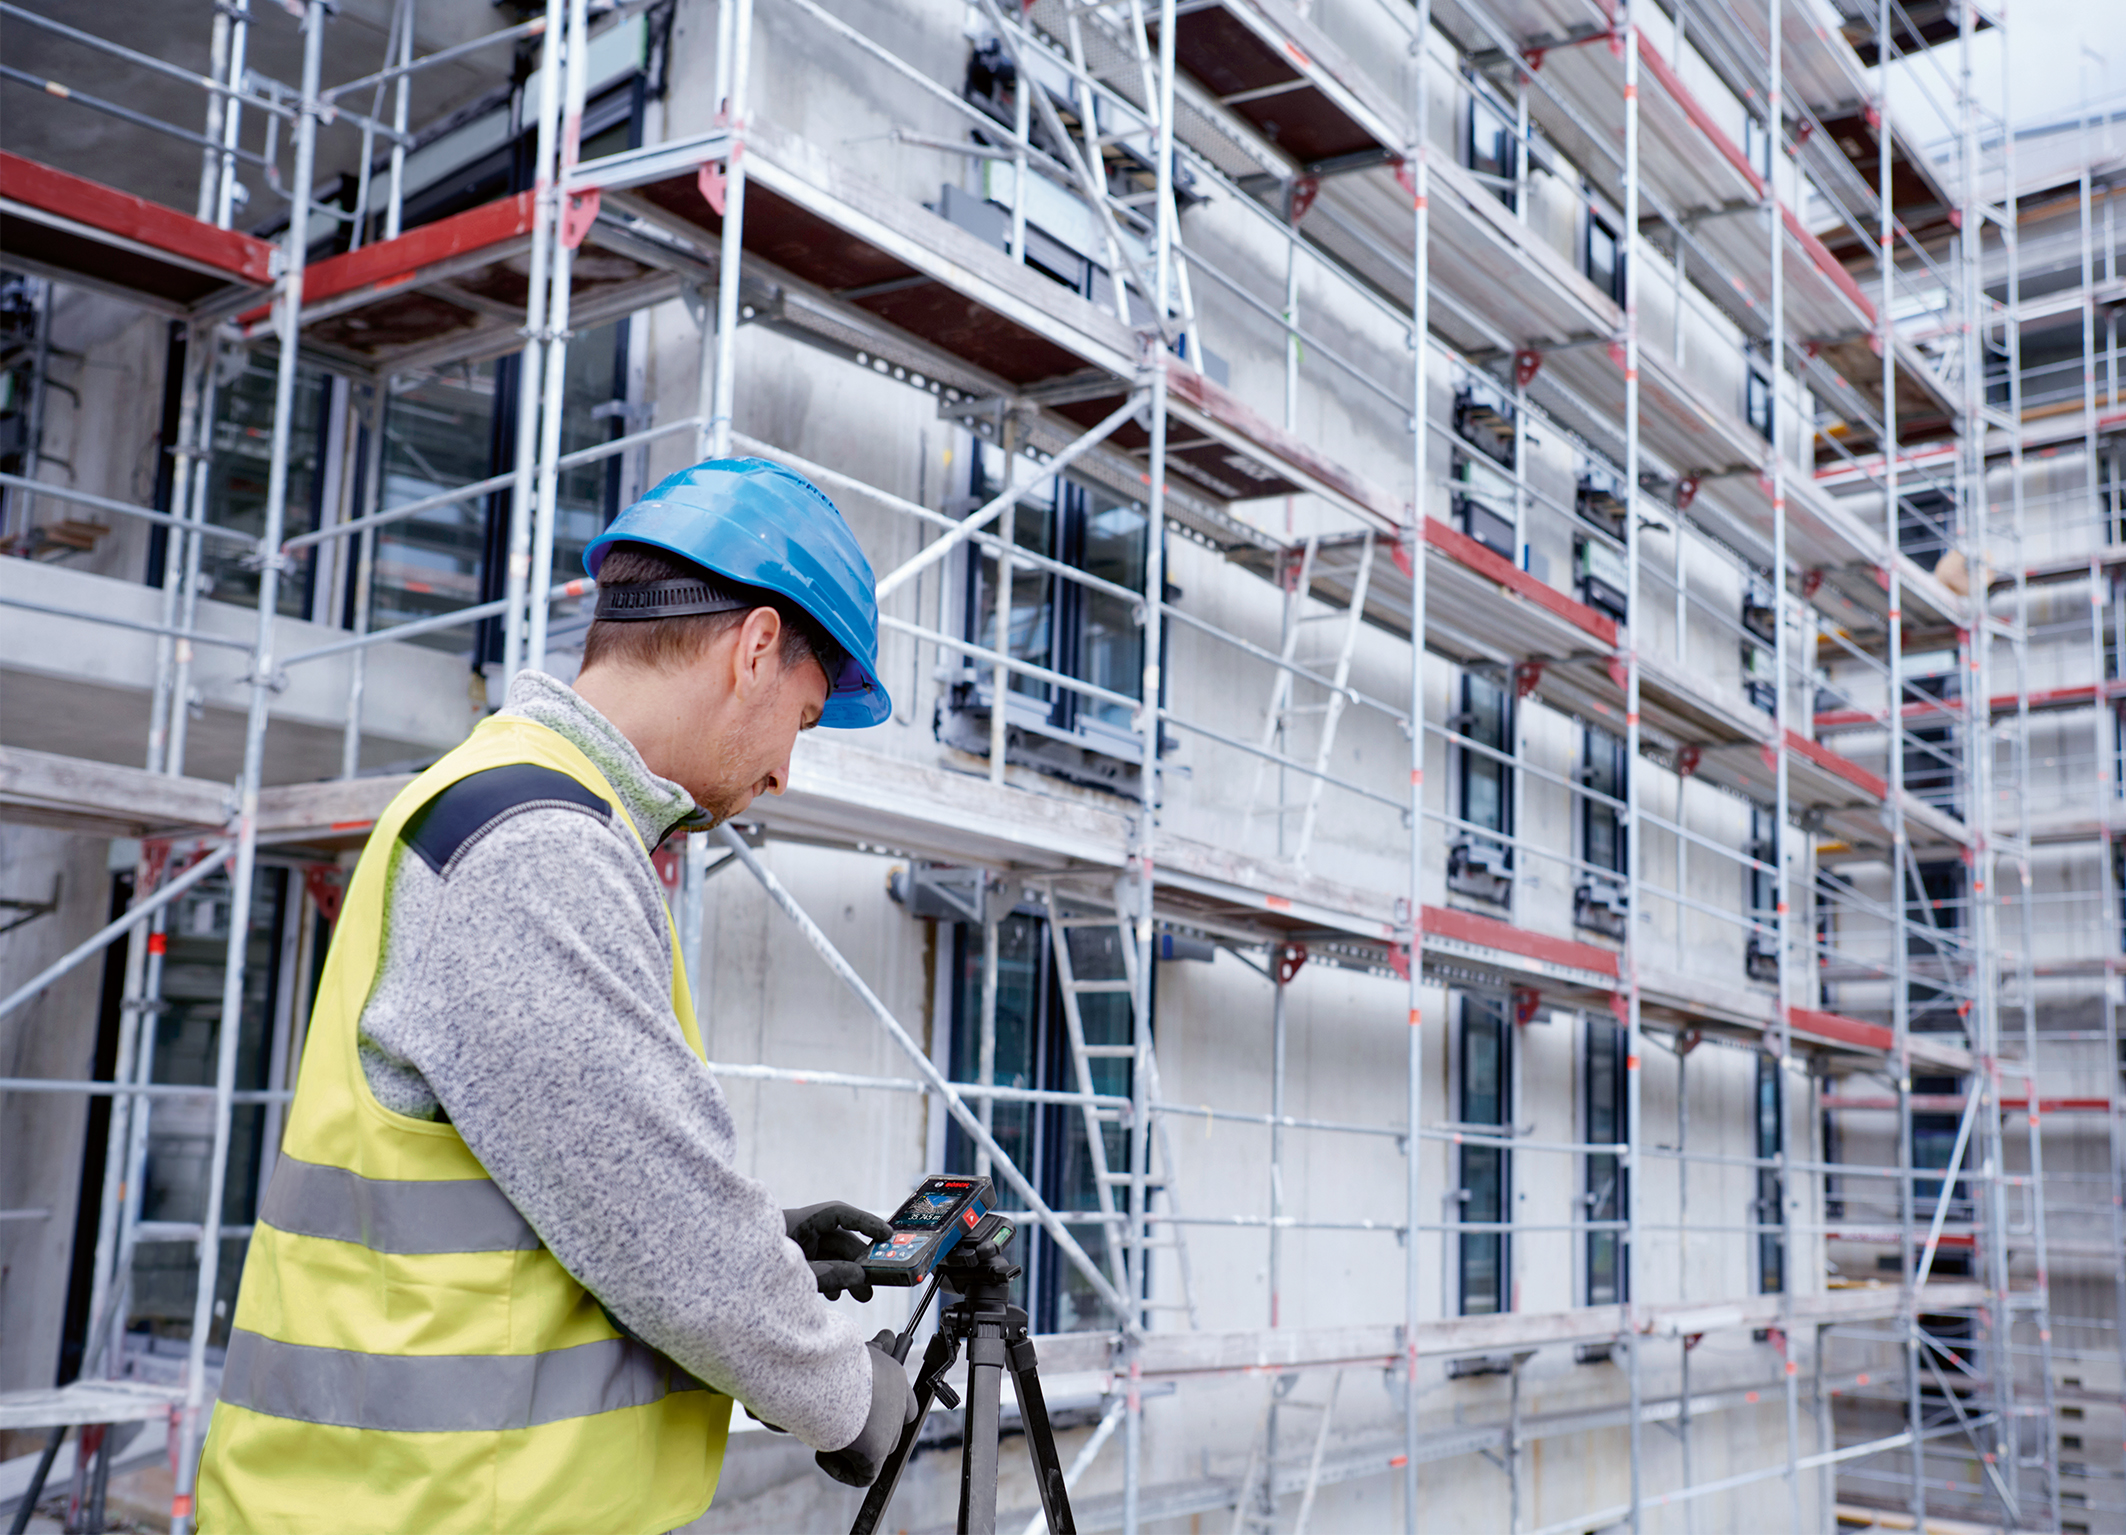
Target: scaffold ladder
point(1074, 911)
point(1283, 714)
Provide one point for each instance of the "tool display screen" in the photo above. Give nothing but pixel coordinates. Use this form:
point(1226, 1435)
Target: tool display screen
point(928, 1225)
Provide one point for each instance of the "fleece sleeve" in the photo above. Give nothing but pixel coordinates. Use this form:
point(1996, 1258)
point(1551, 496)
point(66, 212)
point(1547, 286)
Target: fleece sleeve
point(536, 1004)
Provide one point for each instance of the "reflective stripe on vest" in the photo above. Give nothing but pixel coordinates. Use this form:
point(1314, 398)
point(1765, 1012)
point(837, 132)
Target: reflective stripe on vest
point(444, 1393)
point(456, 1215)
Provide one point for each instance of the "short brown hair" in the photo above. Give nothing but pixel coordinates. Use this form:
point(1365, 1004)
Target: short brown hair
point(666, 644)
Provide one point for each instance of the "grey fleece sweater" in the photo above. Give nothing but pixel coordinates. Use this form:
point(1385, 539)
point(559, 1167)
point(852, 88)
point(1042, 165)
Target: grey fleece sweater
point(526, 993)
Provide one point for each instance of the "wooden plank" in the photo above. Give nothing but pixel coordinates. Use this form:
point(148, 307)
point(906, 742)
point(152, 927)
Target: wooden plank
point(392, 262)
point(1839, 1029)
point(1489, 563)
point(103, 794)
point(243, 258)
point(1490, 933)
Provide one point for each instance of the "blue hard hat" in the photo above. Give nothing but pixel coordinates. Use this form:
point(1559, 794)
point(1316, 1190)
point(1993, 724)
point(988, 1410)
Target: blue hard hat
point(758, 523)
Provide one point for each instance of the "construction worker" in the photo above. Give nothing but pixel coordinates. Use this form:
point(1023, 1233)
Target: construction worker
point(507, 1276)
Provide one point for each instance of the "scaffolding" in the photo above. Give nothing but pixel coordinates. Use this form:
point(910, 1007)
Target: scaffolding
point(1127, 109)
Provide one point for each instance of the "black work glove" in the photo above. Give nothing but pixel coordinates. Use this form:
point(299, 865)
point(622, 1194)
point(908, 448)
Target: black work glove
point(834, 1238)
point(858, 1463)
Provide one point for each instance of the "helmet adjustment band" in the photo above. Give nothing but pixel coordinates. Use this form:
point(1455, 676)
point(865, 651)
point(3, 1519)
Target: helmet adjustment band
point(683, 598)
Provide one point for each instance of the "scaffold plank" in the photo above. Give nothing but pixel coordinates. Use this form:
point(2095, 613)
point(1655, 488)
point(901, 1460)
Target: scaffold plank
point(84, 231)
point(104, 798)
point(1172, 1354)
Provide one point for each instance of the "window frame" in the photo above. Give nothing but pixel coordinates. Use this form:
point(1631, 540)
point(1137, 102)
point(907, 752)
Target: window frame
point(1613, 286)
point(1506, 150)
point(1760, 896)
point(1602, 878)
point(1466, 867)
point(1768, 1201)
point(1057, 714)
point(1474, 1248)
point(1603, 1049)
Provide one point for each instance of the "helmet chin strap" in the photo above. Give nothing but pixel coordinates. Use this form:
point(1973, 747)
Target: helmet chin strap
point(680, 598)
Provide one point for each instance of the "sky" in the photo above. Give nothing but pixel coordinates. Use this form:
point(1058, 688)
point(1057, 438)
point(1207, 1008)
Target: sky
point(2063, 55)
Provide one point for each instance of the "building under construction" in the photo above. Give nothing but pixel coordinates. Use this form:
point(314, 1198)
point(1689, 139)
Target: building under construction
point(1507, 620)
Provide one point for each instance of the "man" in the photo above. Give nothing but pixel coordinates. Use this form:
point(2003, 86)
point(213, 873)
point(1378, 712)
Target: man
point(507, 1276)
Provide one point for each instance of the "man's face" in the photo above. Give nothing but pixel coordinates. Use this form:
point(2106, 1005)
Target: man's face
point(746, 752)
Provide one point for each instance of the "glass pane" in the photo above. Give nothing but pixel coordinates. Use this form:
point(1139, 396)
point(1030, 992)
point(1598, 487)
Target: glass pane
point(1486, 782)
point(181, 1133)
point(1605, 1183)
point(1033, 623)
point(1602, 1105)
point(1483, 1253)
point(1030, 627)
point(1602, 256)
point(438, 434)
point(1483, 1168)
point(1019, 978)
point(239, 470)
point(1116, 541)
point(583, 504)
point(1486, 703)
point(1483, 1063)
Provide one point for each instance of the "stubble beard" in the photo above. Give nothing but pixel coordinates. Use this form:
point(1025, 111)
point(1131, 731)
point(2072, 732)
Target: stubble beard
point(733, 793)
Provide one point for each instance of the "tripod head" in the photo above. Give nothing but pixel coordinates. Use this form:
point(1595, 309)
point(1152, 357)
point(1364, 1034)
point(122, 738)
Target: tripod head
point(976, 1270)
point(979, 1259)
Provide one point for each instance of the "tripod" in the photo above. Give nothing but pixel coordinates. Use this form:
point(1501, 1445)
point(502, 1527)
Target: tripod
point(995, 1334)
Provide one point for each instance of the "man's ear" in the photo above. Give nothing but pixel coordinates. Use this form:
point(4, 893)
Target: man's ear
point(756, 658)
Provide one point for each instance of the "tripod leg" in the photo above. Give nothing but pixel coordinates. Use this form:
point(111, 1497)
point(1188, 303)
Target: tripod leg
point(978, 1457)
point(937, 1358)
point(1040, 1437)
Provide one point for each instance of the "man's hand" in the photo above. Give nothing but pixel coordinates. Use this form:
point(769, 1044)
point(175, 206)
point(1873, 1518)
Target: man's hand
point(859, 1462)
point(834, 1238)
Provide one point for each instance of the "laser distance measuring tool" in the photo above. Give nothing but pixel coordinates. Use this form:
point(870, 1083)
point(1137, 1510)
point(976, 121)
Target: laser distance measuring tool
point(928, 1225)
point(963, 1245)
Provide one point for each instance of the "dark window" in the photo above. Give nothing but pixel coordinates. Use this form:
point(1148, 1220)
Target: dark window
point(1762, 890)
point(1934, 916)
point(238, 474)
point(1926, 521)
point(1483, 506)
point(1760, 658)
point(1603, 257)
point(1768, 1208)
point(188, 1029)
point(1757, 404)
point(1607, 1195)
point(1046, 1142)
point(1492, 149)
point(1486, 1100)
point(2113, 625)
point(457, 425)
point(1478, 865)
point(1602, 576)
point(1599, 903)
point(1060, 625)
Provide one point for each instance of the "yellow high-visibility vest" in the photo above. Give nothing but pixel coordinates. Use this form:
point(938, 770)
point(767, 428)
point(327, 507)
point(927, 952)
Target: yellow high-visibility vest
point(406, 1354)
